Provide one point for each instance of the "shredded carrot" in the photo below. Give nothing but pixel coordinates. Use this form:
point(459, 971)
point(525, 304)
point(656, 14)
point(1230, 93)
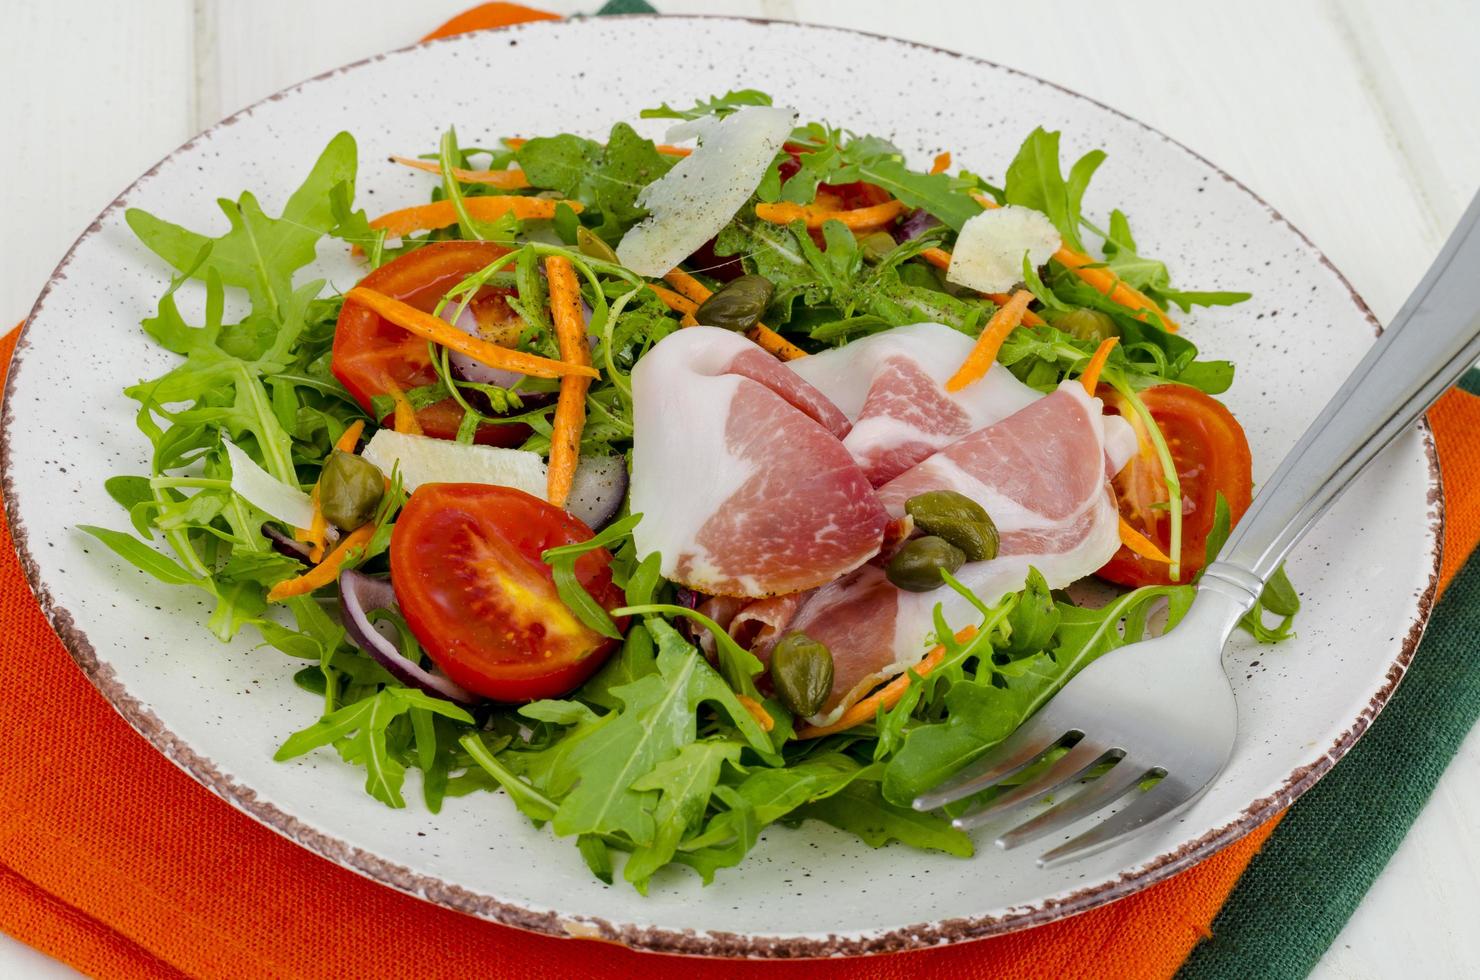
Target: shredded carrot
point(692, 291)
point(676, 302)
point(1107, 283)
point(440, 214)
point(1140, 544)
point(1091, 376)
point(570, 409)
point(859, 219)
point(773, 343)
point(316, 535)
point(515, 142)
point(439, 331)
point(941, 259)
point(866, 709)
point(509, 180)
point(980, 360)
point(942, 163)
point(757, 711)
point(350, 438)
point(325, 571)
point(687, 285)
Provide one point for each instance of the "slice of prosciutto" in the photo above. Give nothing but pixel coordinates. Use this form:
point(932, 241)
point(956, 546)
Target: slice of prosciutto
point(739, 472)
point(891, 385)
point(1041, 475)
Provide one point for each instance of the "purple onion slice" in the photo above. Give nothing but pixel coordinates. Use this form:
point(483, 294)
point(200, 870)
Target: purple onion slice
point(598, 489)
point(360, 595)
point(284, 544)
point(916, 223)
point(466, 367)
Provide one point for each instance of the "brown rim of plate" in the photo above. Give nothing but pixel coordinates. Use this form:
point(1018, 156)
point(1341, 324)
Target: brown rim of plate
point(687, 942)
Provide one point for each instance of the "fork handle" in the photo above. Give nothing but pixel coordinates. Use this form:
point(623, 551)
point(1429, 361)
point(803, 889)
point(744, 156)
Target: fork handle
point(1431, 342)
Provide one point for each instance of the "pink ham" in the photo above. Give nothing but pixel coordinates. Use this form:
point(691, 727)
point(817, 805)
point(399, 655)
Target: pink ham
point(1041, 475)
point(738, 470)
point(891, 385)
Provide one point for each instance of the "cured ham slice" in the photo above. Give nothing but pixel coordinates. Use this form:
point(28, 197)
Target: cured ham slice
point(738, 470)
point(1041, 475)
point(891, 385)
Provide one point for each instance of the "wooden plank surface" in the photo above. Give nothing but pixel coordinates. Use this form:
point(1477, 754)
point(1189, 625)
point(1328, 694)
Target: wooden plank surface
point(1357, 120)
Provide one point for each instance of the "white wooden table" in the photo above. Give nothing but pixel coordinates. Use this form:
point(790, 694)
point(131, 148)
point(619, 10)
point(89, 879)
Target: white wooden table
point(1358, 120)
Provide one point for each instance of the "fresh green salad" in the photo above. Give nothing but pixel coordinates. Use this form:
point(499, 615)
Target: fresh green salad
point(673, 491)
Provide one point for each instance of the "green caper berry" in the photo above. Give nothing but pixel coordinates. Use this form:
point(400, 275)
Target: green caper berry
point(594, 246)
point(801, 673)
point(916, 567)
point(350, 488)
point(875, 245)
point(1085, 324)
point(956, 518)
point(739, 305)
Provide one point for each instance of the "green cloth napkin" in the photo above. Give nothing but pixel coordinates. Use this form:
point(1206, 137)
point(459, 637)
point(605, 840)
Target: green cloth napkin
point(1301, 889)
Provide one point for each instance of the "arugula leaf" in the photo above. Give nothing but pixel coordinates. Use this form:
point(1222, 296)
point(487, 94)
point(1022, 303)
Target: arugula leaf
point(861, 809)
point(562, 562)
point(685, 784)
point(259, 253)
point(943, 196)
point(1278, 597)
point(981, 711)
point(143, 557)
point(715, 105)
point(606, 179)
point(1034, 180)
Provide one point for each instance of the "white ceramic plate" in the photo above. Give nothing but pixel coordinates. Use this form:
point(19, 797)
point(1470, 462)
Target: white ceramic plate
point(1367, 572)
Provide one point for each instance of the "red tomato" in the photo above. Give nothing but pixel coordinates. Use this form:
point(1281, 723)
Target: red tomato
point(465, 562)
point(1211, 455)
point(371, 354)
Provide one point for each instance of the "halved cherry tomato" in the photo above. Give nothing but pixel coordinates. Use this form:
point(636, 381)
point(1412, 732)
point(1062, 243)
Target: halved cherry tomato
point(1211, 454)
point(372, 355)
point(465, 563)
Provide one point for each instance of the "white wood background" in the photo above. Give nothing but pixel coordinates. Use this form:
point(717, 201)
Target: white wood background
point(1359, 120)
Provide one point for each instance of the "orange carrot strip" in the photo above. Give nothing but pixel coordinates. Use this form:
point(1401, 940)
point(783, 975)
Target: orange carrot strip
point(570, 408)
point(941, 259)
point(350, 437)
point(676, 302)
point(316, 535)
point(942, 163)
point(687, 285)
point(440, 214)
point(1091, 376)
point(668, 150)
point(1108, 284)
point(859, 219)
point(757, 711)
point(888, 696)
point(1140, 544)
point(773, 343)
point(509, 180)
point(439, 331)
point(325, 571)
point(982, 356)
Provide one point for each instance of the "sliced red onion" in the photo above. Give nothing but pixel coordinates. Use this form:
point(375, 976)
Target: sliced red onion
point(361, 595)
point(915, 224)
point(466, 367)
point(284, 544)
point(598, 489)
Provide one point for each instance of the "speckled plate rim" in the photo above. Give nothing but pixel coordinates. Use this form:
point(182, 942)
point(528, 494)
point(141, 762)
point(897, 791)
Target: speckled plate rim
point(652, 938)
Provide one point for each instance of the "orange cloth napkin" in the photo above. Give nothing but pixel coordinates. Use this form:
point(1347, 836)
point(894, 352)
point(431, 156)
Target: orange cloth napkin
point(114, 861)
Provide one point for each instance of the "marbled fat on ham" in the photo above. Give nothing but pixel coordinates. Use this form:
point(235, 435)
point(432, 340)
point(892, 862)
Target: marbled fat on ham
point(1041, 475)
point(891, 386)
point(738, 471)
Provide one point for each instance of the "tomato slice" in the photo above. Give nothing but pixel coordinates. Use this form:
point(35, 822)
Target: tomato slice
point(465, 564)
point(1211, 455)
point(373, 356)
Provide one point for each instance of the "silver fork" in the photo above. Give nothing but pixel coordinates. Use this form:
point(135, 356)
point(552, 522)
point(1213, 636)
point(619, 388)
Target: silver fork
point(1164, 707)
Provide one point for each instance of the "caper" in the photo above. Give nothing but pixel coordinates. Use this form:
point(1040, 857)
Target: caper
point(350, 488)
point(916, 567)
point(738, 306)
point(594, 246)
point(875, 245)
point(801, 673)
point(1085, 324)
point(957, 518)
